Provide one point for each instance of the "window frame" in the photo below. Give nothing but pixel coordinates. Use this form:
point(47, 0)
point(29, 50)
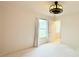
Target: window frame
point(35, 43)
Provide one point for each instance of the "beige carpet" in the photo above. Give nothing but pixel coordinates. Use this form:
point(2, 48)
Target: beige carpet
point(47, 50)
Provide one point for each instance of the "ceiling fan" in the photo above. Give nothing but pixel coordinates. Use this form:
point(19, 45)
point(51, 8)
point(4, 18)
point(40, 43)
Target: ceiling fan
point(56, 8)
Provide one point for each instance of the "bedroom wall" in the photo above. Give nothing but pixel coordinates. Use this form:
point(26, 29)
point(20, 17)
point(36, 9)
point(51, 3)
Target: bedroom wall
point(1, 29)
point(70, 30)
point(18, 29)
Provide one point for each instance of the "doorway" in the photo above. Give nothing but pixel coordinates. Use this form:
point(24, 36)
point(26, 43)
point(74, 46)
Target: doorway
point(56, 31)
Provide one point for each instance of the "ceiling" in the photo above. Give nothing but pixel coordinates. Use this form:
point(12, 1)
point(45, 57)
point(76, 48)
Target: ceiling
point(70, 7)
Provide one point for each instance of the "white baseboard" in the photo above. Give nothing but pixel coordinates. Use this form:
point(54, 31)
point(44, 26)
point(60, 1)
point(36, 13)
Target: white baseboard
point(3, 54)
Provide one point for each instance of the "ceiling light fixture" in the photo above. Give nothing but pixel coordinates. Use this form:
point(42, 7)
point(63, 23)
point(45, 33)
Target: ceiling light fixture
point(55, 8)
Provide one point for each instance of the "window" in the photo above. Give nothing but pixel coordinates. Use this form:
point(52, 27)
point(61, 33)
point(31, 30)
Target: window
point(42, 31)
point(43, 28)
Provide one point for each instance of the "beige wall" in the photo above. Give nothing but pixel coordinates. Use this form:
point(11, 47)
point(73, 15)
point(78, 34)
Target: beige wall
point(18, 26)
point(1, 29)
point(0, 36)
point(70, 30)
